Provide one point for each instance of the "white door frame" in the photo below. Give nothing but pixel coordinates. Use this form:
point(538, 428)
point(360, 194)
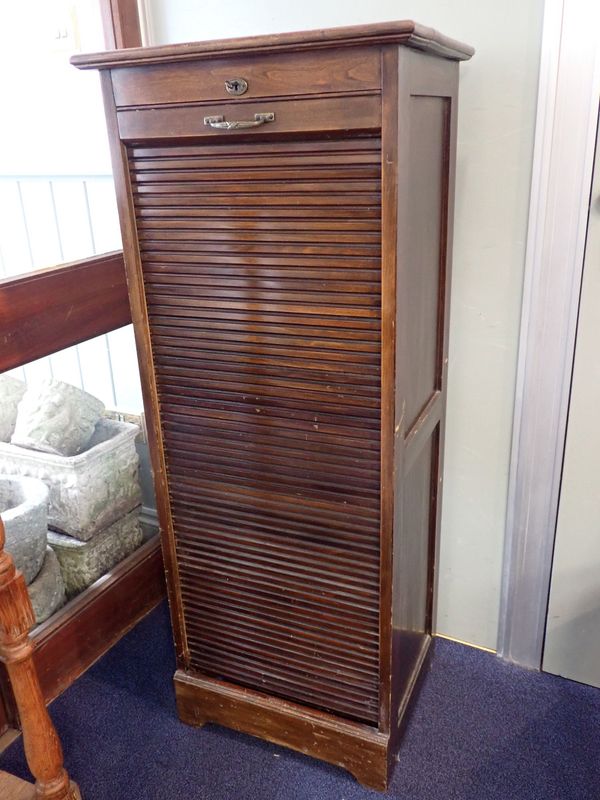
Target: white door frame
point(567, 114)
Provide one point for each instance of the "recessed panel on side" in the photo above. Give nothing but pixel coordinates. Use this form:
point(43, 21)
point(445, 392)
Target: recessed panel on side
point(413, 556)
point(425, 249)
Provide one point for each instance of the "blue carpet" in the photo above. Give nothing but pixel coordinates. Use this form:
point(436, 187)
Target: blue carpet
point(480, 730)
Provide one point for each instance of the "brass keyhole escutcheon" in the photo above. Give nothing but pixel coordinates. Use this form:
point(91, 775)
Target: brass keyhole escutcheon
point(236, 86)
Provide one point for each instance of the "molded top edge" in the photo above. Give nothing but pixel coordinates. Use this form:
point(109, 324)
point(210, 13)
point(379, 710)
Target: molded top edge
point(405, 32)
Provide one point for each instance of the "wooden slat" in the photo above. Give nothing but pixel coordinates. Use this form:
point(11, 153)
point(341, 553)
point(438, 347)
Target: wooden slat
point(46, 311)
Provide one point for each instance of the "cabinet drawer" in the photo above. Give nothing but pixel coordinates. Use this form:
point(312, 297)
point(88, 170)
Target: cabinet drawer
point(361, 113)
point(269, 76)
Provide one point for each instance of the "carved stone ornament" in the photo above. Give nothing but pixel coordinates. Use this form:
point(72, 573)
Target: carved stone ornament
point(56, 417)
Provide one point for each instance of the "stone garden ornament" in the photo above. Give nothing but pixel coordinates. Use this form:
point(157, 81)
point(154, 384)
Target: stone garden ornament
point(55, 417)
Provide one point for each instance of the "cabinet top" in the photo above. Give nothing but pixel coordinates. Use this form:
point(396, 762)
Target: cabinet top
point(405, 32)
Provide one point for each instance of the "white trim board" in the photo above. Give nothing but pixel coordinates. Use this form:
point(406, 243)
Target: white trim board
point(569, 91)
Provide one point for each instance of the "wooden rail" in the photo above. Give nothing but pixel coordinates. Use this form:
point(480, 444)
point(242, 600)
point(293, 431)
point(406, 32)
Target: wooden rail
point(42, 746)
point(45, 311)
point(41, 313)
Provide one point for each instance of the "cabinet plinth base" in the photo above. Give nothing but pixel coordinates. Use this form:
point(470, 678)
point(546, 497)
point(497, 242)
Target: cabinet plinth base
point(361, 750)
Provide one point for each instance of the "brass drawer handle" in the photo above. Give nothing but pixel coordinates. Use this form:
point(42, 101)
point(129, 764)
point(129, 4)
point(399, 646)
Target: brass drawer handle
point(259, 119)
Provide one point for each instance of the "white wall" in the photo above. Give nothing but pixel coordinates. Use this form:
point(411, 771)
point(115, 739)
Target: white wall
point(57, 125)
point(497, 112)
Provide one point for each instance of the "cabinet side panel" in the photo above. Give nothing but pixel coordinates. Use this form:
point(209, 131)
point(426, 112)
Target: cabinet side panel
point(426, 164)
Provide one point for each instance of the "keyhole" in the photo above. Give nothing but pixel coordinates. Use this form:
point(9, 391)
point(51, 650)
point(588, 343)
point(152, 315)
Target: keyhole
point(236, 86)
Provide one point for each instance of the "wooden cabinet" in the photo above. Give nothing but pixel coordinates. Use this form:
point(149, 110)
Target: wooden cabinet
point(286, 204)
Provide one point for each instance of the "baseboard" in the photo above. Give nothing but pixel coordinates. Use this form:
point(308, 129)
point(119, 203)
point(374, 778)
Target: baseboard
point(358, 748)
point(466, 644)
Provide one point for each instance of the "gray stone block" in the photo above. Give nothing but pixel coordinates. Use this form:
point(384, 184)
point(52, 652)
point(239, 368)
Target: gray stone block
point(56, 417)
point(24, 511)
point(11, 394)
point(82, 563)
point(89, 491)
point(47, 592)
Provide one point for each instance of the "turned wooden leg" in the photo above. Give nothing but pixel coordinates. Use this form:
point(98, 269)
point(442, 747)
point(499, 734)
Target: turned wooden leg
point(42, 746)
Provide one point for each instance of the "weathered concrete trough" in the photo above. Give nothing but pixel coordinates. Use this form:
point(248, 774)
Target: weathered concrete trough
point(81, 563)
point(89, 491)
point(47, 591)
point(24, 510)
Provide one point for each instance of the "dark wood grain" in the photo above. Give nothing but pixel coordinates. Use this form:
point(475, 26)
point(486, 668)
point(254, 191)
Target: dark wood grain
point(389, 269)
point(45, 311)
point(289, 289)
point(360, 113)
point(120, 23)
point(403, 32)
point(358, 748)
point(279, 75)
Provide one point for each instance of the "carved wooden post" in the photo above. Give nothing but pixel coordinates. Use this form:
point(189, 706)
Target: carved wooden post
point(42, 746)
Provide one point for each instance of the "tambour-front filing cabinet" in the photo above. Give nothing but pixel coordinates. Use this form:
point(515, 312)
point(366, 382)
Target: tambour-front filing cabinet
point(286, 209)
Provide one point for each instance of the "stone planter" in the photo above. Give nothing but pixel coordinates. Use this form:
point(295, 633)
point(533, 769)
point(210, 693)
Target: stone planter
point(56, 417)
point(47, 591)
point(82, 563)
point(11, 394)
point(24, 511)
point(89, 491)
